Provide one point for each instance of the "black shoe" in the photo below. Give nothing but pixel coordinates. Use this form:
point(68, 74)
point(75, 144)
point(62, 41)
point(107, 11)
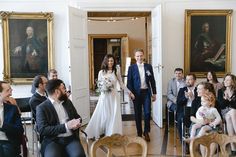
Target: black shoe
point(146, 137)
point(187, 149)
point(102, 135)
point(233, 153)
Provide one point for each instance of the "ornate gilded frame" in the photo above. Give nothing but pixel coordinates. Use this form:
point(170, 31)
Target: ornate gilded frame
point(22, 64)
point(213, 54)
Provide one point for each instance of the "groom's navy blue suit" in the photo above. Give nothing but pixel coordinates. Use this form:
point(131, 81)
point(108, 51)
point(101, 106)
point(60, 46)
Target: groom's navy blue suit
point(142, 96)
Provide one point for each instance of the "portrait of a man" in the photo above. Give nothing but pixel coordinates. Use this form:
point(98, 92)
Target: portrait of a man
point(28, 47)
point(208, 43)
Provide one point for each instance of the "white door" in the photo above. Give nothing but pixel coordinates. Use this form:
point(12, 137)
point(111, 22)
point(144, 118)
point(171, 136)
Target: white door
point(124, 53)
point(79, 66)
point(157, 63)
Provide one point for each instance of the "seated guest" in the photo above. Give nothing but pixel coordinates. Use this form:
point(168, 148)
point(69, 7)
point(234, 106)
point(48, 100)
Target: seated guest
point(11, 129)
point(58, 123)
point(173, 88)
point(211, 78)
point(227, 99)
point(207, 119)
point(52, 74)
point(207, 116)
point(185, 98)
point(203, 88)
point(39, 96)
point(10, 100)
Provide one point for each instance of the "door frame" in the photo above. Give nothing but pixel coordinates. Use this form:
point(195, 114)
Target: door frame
point(91, 54)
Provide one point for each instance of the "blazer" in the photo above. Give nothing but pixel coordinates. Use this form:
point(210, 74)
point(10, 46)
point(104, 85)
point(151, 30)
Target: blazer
point(182, 100)
point(226, 103)
point(12, 125)
point(34, 101)
point(134, 82)
point(48, 124)
point(172, 92)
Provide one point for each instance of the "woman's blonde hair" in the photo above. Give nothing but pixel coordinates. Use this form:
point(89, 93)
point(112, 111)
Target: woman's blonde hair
point(210, 97)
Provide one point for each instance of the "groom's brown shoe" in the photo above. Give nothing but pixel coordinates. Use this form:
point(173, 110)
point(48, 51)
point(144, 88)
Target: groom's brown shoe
point(146, 137)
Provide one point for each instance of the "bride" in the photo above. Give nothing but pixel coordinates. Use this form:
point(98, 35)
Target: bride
point(106, 118)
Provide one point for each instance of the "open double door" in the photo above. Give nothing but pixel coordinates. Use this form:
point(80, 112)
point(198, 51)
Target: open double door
point(79, 62)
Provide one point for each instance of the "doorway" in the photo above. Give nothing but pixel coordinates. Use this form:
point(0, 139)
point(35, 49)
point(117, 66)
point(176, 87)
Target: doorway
point(152, 47)
point(99, 46)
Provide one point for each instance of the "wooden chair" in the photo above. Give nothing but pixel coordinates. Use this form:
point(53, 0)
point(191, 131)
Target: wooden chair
point(220, 139)
point(117, 141)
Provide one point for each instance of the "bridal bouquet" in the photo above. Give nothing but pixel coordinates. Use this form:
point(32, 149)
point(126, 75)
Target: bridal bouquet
point(105, 85)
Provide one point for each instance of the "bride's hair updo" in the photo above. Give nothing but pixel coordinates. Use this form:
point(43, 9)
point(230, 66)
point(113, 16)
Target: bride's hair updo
point(104, 65)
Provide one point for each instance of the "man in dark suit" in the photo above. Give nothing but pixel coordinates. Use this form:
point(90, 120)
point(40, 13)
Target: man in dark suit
point(141, 83)
point(185, 98)
point(58, 123)
point(40, 95)
point(52, 75)
point(11, 129)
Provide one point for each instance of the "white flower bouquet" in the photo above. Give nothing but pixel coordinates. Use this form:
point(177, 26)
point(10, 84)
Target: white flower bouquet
point(105, 85)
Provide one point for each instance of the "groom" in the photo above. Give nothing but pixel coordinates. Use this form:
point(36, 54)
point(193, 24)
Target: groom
point(141, 83)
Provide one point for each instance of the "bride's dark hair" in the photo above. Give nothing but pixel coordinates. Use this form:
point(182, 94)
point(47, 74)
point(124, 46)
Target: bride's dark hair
point(104, 65)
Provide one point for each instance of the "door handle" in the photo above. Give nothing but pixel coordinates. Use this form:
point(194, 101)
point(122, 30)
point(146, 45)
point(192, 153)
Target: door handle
point(159, 67)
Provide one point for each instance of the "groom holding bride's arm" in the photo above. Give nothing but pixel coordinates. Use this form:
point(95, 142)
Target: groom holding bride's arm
point(141, 83)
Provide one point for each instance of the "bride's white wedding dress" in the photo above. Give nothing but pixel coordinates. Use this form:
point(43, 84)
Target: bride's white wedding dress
point(106, 118)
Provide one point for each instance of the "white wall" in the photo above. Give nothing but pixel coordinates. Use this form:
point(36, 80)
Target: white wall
point(173, 27)
point(60, 35)
point(173, 24)
point(173, 32)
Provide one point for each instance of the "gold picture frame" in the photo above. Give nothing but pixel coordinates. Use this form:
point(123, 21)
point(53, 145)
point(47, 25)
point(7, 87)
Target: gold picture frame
point(207, 42)
point(27, 45)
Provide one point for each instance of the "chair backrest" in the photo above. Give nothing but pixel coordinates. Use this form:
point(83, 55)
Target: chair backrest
point(221, 139)
point(117, 141)
point(23, 104)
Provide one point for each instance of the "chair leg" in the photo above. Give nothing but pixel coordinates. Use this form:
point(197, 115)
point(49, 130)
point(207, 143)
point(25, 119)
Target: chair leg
point(168, 119)
point(175, 129)
point(37, 149)
point(33, 138)
point(182, 142)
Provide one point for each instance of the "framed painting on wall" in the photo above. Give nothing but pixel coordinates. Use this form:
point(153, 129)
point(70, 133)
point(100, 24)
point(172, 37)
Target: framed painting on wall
point(27, 45)
point(207, 42)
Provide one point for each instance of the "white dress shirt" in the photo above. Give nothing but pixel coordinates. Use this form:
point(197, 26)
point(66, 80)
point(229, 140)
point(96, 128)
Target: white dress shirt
point(189, 102)
point(62, 115)
point(142, 76)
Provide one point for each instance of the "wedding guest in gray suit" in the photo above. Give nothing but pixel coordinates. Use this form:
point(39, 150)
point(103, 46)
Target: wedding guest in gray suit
point(173, 88)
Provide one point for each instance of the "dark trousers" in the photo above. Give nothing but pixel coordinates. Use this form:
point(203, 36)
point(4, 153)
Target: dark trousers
point(8, 149)
point(64, 147)
point(183, 118)
point(142, 101)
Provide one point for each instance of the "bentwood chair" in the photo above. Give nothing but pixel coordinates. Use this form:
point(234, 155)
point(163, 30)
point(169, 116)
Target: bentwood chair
point(117, 141)
point(206, 140)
